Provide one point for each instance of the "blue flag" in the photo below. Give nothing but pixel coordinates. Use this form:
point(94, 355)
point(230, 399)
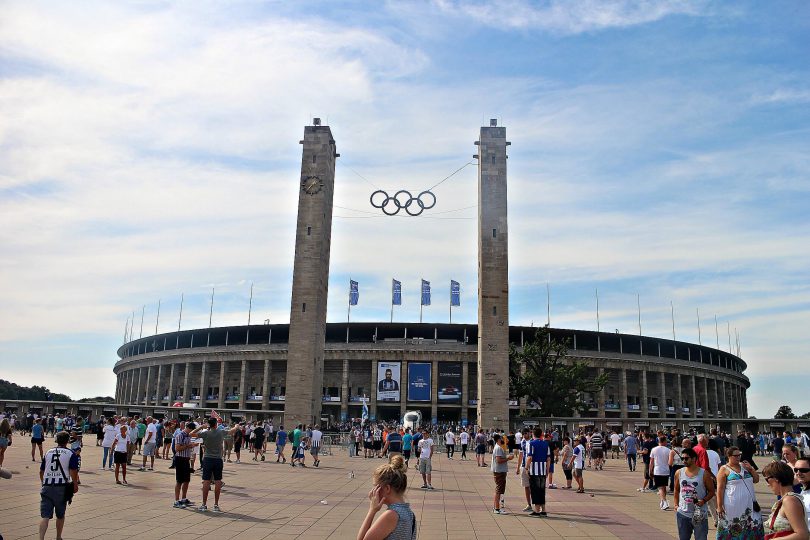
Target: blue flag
point(425, 293)
point(455, 293)
point(354, 292)
point(396, 293)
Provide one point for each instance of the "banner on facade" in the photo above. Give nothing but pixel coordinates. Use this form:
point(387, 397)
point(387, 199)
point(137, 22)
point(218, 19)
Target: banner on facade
point(449, 382)
point(388, 381)
point(419, 374)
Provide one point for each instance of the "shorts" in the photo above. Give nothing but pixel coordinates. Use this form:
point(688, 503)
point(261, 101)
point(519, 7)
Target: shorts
point(597, 453)
point(500, 482)
point(661, 480)
point(568, 474)
point(368, 445)
point(524, 477)
point(149, 449)
point(577, 473)
point(3, 442)
point(425, 467)
point(52, 500)
point(211, 467)
point(377, 445)
point(407, 454)
point(36, 440)
point(120, 458)
point(258, 443)
point(182, 470)
point(167, 440)
point(480, 449)
point(314, 450)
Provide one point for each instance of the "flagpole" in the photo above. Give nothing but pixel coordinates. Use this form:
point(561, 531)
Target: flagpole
point(211, 311)
point(697, 310)
point(548, 306)
point(349, 313)
point(179, 322)
point(451, 302)
point(250, 303)
point(143, 312)
point(392, 300)
point(126, 330)
point(132, 326)
point(638, 303)
point(597, 311)
point(672, 307)
point(421, 298)
point(157, 319)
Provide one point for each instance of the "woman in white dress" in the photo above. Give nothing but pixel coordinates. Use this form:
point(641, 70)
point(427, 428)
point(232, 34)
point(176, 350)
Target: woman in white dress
point(739, 513)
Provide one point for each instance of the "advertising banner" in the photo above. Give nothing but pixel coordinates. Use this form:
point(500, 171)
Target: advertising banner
point(419, 381)
point(388, 381)
point(449, 382)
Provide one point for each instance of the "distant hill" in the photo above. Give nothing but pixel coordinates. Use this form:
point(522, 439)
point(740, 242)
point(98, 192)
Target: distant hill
point(9, 390)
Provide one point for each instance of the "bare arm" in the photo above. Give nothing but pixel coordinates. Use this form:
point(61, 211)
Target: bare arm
point(793, 510)
point(721, 488)
point(677, 493)
point(708, 483)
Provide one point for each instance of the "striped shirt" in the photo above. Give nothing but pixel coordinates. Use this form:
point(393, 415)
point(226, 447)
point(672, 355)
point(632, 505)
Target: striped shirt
point(538, 451)
point(524, 451)
point(56, 466)
point(182, 439)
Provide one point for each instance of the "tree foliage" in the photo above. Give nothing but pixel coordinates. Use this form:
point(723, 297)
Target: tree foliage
point(805, 415)
point(9, 390)
point(98, 399)
point(785, 412)
point(551, 380)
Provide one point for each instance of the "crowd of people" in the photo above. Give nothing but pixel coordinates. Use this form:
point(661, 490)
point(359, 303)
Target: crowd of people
point(707, 476)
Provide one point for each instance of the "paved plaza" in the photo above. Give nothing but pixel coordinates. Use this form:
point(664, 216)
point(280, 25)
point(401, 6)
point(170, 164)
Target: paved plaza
point(269, 500)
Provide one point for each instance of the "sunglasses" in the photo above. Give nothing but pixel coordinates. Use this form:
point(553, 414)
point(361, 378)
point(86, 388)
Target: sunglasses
point(736, 455)
point(802, 470)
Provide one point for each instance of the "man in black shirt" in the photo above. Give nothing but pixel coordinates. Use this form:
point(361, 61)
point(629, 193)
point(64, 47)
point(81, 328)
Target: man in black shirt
point(646, 447)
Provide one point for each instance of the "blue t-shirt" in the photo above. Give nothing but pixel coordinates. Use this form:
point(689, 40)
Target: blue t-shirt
point(630, 445)
point(406, 441)
point(538, 451)
point(281, 438)
point(36, 431)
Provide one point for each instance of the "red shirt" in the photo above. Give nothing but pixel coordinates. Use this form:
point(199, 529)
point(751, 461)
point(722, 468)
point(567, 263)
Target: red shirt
point(702, 457)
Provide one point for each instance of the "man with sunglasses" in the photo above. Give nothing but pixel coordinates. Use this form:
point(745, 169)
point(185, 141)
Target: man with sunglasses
point(694, 487)
point(802, 471)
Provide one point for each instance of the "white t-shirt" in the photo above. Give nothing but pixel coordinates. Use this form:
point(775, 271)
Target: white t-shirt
point(465, 437)
point(151, 428)
point(425, 446)
point(109, 435)
point(661, 456)
point(579, 457)
point(316, 437)
point(120, 442)
point(615, 440)
point(450, 437)
point(714, 461)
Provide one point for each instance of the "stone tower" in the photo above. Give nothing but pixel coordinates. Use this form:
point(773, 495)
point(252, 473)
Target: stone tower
point(493, 279)
point(313, 239)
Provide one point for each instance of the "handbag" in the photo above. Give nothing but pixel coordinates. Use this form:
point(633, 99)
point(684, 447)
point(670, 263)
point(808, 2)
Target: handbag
point(68, 484)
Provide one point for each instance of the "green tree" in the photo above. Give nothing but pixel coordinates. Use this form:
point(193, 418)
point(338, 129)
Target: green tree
point(550, 379)
point(784, 412)
point(805, 415)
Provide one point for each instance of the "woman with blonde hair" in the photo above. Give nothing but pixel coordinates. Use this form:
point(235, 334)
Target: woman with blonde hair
point(398, 522)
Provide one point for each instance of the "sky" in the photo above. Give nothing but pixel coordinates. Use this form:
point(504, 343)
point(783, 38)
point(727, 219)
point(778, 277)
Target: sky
point(660, 156)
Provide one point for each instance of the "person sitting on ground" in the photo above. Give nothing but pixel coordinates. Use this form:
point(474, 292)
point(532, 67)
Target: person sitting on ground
point(399, 521)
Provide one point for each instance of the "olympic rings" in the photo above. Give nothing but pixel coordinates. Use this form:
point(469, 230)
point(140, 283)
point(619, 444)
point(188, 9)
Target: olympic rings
point(402, 199)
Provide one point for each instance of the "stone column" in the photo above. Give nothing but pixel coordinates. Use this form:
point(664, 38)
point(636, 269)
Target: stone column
point(158, 395)
point(148, 389)
point(223, 367)
point(623, 391)
point(706, 407)
point(725, 408)
point(693, 404)
point(600, 399)
point(645, 407)
point(266, 385)
point(372, 398)
point(403, 388)
point(125, 392)
point(171, 385)
point(465, 390)
point(140, 386)
point(344, 390)
point(716, 392)
point(679, 395)
point(662, 388)
point(186, 381)
point(204, 384)
point(243, 385)
point(434, 389)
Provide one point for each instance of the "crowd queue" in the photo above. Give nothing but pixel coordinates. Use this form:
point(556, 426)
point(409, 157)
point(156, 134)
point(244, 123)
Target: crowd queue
point(707, 476)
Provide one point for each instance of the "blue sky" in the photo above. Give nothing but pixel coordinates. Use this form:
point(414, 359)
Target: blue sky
point(659, 149)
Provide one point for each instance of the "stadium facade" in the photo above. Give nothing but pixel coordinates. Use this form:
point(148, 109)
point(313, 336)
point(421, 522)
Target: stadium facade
point(309, 370)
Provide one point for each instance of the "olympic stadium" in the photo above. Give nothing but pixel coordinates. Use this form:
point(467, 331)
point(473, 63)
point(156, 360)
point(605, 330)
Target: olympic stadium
point(241, 372)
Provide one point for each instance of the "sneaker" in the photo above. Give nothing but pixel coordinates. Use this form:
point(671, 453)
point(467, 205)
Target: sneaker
point(425, 486)
point(203, 508)
point(262, 457)
point(552, 486)
point(178, 504)
point(499, 511)
point(216, 509)
point(150, 468)
point(186, 502)
point(661, 505)
point(528, 508)
point(665, 506)
point(141, 469)
point(431, 487)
